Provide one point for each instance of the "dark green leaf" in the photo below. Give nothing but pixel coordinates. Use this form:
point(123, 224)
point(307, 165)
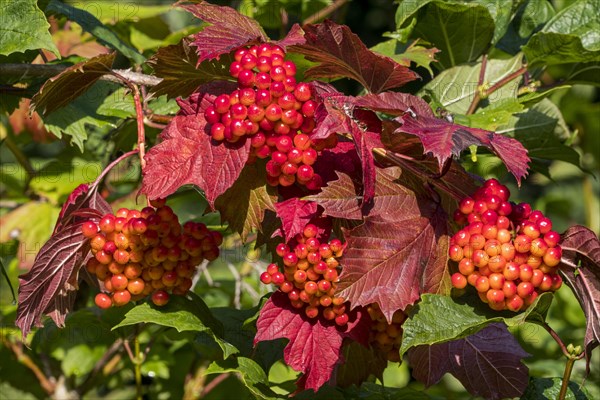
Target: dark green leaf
point(91, 24)
point(24, 27)
point(549, 388)
point(462, 31)
point(571, 36)
point(250, 372)
point(439, 319)
point(530, 18)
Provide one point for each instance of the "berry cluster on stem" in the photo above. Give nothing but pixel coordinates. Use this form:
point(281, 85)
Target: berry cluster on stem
point(146, 252)
point(309, 275)
point(386, 337)
point(508, 252)
point(274, 112)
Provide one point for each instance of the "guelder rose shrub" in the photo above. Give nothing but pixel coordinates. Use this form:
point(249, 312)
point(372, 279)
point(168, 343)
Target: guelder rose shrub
point(382, 246)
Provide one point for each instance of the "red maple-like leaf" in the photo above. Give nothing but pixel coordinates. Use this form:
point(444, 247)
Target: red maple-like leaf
point(391, 260)
point(341, 53)
point(228, 30)
point(315, 345)
point(488, 363)
point(580, 268)
point(395, 103)
point(49, 286)
point(444, 139)
point(295, 214)
point(81, 198)
point(294, 36)
point(188, 155)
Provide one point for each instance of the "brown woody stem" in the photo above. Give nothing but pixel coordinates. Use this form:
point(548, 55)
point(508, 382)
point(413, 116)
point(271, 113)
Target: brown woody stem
point(477, 96)
point(140, 125)
point(24, 359)
point(321, 14)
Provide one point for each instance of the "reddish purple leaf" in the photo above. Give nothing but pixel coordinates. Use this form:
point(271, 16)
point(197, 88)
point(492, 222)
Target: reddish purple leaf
point(48, 286)
point(295, 214)
point(580, 268)
point(331, 115)
point(340, 198)
point(392, 259)
point(361, 362)
point(294, 36)
point(395, 103)
point(364, 143)
point(342, 158)
point(188, 155)
point(181, 73)
point(81, 198)
point(487, 363)
point(341, 53)
point(444, 139)
point(315, 345)
point(228, 30)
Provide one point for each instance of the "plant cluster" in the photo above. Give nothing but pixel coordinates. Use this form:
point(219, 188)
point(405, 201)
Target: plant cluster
point(376, 224)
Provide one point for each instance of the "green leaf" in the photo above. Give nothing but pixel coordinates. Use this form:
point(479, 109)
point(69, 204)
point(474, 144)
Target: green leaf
point(24, 27)
point(529, 18)
point(91, 24)
point(31, 236)
point(549, 388)
point(57, 179)
point(501, 12)
point(251, 373)
point(405, 54)
point(462, 31)
point(438, 319)
point(586, 73)
point(532, 98)
point(58, 91)
point(183, 314)
point(491, 117)
point(118, 104)
point(373, 391)
point(75, 118)
point(148, 33)
point(573, 35)
point(455, 88)
point(80, 359)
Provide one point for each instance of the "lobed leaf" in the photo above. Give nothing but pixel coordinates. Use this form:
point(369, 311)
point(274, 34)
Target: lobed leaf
point(439, 319)
point(48, 286)
point(252, 375)
point(181, 71)
point(227, 31)
point(341, 53)
point(580, 269)
point(295, 214)
point(71, 83)
point(24, 27)
point(83, 197)
point(295, 36)
point(183, 314)
point(549, 388)
point(571, 36)
point(443, 139)
point(487, 363)
point(395, 103)
point(188, 155)
point(315, 345)
point(393, 260)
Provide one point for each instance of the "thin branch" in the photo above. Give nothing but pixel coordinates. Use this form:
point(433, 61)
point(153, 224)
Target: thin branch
point(139, 112)
point(566, 377)
point(27, 71)
point(112, 164)
point(322, 14)
point(557, 339)
point(477, 96)
point(505, 80)
point(20, 157)
point(24, 359)
point(214, 383)
point(238, 286)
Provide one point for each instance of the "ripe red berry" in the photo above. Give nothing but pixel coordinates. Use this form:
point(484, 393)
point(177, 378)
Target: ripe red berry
point(103, 300)
point(160, 297)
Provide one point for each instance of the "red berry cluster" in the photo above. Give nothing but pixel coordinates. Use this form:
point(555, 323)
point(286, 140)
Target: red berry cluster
point(147, 252)
point(274, 111)
point(508, 252)
point(309, 276)
point(385, 337)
